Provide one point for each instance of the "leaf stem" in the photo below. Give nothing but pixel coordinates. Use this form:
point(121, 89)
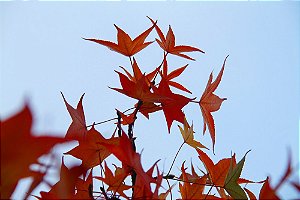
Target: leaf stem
point(175, 158)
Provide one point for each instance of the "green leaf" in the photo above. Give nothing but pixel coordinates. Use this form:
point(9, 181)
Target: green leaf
point(231, 185)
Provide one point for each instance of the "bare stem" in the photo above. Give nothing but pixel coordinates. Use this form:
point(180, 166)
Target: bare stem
point(119, 124)
point(102, 122)
point(104, 193)
point(175, 158)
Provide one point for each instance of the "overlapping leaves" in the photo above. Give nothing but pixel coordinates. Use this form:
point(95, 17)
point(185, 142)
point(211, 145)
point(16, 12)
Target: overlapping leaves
point(153, 92)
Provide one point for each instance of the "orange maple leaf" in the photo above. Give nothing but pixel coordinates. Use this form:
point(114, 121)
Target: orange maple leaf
point(192, 186)
point(137, 73)
point(173, 75)
point(126, 46)
point(210, 102)
point(168, 43)
point(187, 133)
point(217, 172)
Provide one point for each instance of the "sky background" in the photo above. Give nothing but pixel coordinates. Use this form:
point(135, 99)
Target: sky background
point(42, 53)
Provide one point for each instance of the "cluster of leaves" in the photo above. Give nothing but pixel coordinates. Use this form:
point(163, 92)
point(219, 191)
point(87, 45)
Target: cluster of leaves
point(153, 93)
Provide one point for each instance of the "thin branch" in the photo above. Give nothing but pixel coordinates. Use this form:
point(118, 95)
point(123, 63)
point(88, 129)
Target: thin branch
point(209, 191)
point(104, 193)
point(193, 101)
point(102, 122)
point(119, 124)
point(170, 189)
point(175, 158)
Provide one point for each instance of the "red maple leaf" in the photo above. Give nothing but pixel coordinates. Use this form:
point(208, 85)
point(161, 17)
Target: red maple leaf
point(217, 172)
point(173, 75)
point(126, 45)
point(20, 148)
point(139, 90)
point(90, 150)
point(84, 188)
point(65, 187)
point(123, 150)
point(115, 181)
point(126, 119)
point(267, 192)
point(168, 43)
point(137, 73)
point(171, 103)
point(77, 128)
point(192, 186)
point(210, 102)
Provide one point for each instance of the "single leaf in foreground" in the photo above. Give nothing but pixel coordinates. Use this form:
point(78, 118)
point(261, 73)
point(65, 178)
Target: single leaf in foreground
point(210, 102)
point(20, 148)
point(267, 192)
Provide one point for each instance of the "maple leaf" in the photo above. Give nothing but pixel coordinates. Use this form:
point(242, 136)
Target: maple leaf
point(168, 43)
point(217, 172)
point(187, 133)
point(267, 192)
point(142, 188)
point(192, 188)
point(137, 73)
point(231, 181)
point(84, 188)
point(77, 128)
point(123, 150)
point(226, 174)
point(210, 102)
point(91, 151)
point(171, 103)
point(148, 107)
point(250, 194)
point(139, 90)
point(172, 75)
point(20, 148)
point(126, 119)
point(115, 182)
point(126, 46)
point(65, 187)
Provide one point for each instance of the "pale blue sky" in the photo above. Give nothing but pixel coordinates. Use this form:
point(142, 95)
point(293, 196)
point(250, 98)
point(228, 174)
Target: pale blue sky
point(42, 53)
